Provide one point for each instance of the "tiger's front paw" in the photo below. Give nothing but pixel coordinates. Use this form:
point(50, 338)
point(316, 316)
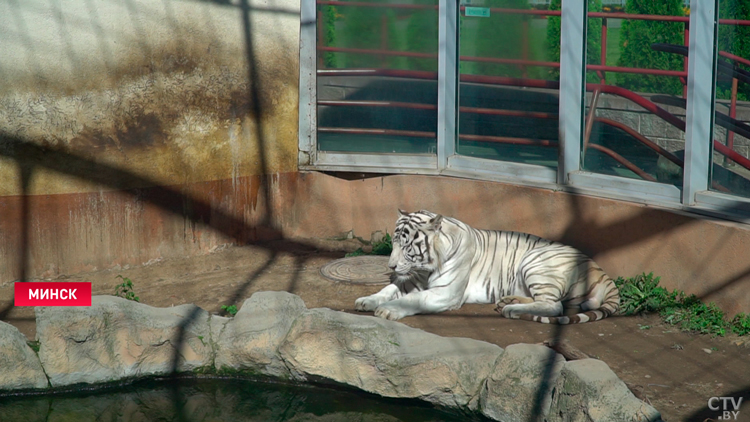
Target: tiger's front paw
point(366, 304)
point(389, 312)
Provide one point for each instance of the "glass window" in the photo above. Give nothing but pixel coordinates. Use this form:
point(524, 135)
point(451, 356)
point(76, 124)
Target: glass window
point(508, 90)
point(730, 172)
point(377, 76)
point(636, 89)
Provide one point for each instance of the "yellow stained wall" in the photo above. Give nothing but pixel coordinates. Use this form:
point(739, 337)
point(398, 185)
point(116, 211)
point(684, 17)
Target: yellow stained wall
point(168, 90)
point(133, 130)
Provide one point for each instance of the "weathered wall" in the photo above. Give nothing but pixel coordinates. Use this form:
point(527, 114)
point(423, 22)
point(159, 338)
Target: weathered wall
point(100, 101)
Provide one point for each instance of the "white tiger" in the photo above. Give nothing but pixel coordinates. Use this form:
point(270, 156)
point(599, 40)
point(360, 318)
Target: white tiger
point(441, 263)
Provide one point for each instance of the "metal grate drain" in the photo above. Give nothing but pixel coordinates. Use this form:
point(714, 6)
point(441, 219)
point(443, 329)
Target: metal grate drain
point(366, 269)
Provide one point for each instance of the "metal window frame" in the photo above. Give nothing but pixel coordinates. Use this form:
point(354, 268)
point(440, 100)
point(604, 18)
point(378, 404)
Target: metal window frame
point(309, 156)
point(447, 81)
point(572, 86)
point(308, 90)
point(572, 112)
point(693, 197)
point(699, 117)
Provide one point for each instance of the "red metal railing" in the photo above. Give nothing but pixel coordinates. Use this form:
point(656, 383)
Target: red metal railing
point(383, 52)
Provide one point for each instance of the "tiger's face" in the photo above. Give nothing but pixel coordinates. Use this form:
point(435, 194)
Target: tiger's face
point(412, 243)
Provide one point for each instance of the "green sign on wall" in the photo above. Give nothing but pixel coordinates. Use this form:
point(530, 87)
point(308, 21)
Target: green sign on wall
point(481, 12)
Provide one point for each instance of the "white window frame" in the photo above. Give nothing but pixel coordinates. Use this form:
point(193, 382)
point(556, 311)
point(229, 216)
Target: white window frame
point(694, 196)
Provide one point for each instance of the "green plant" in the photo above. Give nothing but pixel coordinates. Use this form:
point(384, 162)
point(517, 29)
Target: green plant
point(383, 247)
point(125, 289)
point(741, 324)
point(642, 293)
point(636, 37)
point(230, 309)
point(34, 345)
point(706, 319)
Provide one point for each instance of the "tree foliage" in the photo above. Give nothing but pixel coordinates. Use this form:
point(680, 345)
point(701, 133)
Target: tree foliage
point(734, 39)
point(422, 37)
point(636, 37)
point(329, 33)
point(593, 39)
point(362, 27)
point(499, 36)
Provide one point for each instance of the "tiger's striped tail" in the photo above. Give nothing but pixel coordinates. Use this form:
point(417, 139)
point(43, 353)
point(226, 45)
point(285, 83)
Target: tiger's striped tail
point(578, 318)
point(610, 307)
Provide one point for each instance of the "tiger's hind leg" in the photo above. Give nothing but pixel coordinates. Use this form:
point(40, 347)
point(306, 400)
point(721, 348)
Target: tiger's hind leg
point(543, 297)
point(511, 300)
point(538, 308)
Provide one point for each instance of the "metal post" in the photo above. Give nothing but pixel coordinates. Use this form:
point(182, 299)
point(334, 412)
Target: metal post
point(525, 45)
point(447, 81)
point(686, 41)
point(321, 38)
point(572, 84)
point(307, 84)
point(700, 98)
point(590, 120)
point(603, 74)
point(732, 114)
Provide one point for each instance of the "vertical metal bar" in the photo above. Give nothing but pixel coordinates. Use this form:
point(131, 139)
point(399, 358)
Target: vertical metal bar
point(700, 98)
point(524, 45)
point(572, 77)
point(603, 76)
point(384, 40)
point(685, 60)
point(732, 114)
point(590, 120)
point(447, 81)
point(308, 96)
point(321, 38)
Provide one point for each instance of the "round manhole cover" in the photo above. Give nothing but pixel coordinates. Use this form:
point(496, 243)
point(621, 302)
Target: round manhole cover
point(366, 269)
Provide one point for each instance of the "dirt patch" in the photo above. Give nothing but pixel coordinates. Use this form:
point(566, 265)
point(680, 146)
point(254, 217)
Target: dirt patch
point(674, 371)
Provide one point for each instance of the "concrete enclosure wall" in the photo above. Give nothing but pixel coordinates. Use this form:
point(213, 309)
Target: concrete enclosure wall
point(102, 101)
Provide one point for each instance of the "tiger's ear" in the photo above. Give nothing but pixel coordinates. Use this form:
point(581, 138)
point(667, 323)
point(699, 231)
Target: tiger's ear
point(402, 213)
point(435, 222)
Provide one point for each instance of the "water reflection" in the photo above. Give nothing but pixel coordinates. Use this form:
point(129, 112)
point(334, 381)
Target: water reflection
point(214, 400)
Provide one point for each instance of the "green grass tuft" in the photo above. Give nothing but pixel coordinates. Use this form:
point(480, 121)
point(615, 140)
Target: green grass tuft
point(642, 294)
point(384, 247)
point(230, 309)
point(34, 346)
point(126, 289)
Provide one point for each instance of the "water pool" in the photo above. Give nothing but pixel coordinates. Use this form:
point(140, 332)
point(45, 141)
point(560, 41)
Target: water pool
point(217, 400)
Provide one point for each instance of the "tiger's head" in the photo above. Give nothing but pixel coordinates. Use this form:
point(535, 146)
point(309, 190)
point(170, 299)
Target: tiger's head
point(413, 243)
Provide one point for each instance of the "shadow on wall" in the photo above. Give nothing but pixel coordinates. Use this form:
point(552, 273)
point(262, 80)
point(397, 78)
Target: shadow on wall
point(200, 112)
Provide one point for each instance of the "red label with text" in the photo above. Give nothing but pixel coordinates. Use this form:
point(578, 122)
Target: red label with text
point(52, 294)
